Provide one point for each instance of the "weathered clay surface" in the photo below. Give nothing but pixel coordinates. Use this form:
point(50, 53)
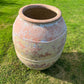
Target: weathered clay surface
point(38, 46)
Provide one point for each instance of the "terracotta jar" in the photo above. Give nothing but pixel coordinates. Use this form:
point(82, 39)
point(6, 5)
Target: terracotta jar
point(39, 35)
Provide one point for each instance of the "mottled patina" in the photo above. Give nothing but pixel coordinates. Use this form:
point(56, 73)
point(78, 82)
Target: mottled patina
point(38, 45)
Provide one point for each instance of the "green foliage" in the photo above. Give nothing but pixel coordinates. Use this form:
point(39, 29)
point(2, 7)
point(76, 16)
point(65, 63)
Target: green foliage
point(69, 69)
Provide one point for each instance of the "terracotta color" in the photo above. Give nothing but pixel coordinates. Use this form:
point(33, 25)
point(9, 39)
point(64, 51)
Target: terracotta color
point(39, 35)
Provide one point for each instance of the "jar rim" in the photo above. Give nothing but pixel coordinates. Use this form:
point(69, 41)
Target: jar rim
point(52, 8)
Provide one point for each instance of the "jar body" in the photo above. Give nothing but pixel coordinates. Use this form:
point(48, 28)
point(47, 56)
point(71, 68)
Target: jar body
point(39, 46)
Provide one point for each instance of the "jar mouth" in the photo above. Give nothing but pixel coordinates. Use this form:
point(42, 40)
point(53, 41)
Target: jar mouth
point(39, 13)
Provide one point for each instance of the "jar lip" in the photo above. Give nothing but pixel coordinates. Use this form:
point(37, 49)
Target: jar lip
point(52, 8)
